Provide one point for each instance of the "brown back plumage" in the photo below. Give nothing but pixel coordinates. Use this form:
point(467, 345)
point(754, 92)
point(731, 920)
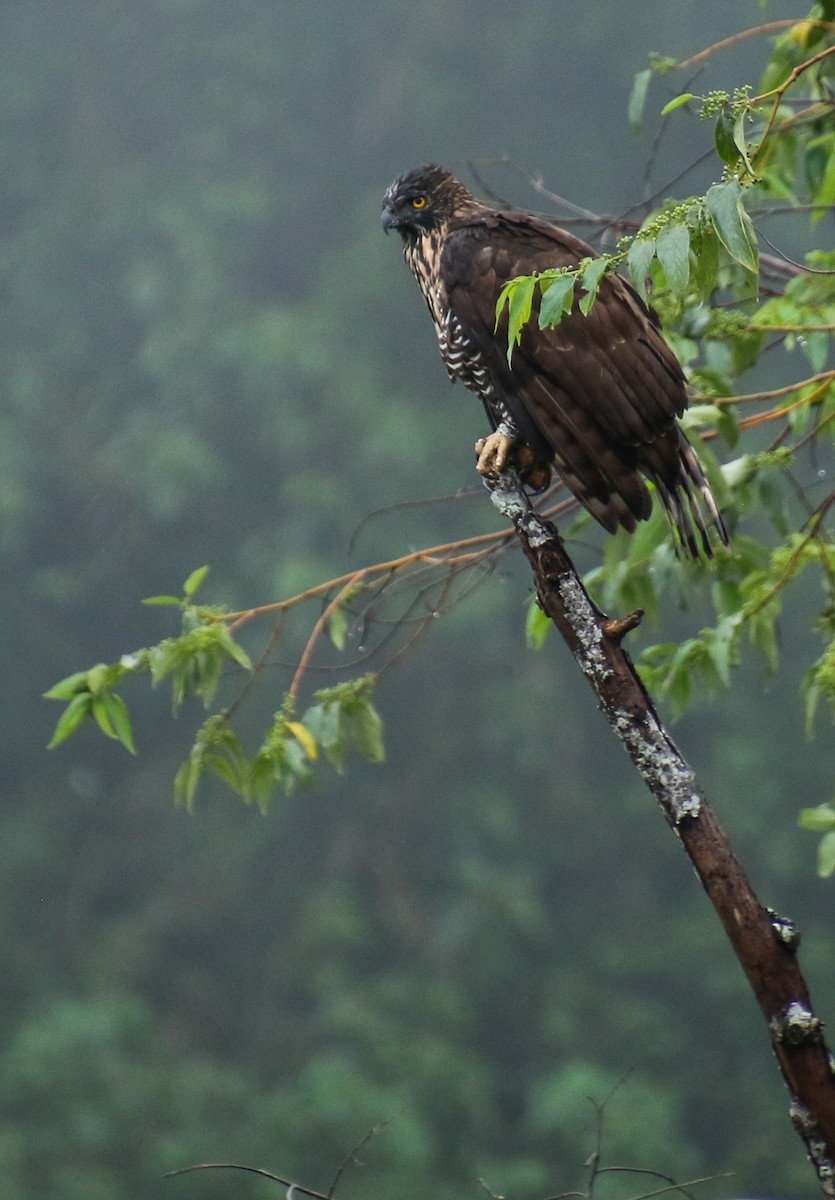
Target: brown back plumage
point(597, 396)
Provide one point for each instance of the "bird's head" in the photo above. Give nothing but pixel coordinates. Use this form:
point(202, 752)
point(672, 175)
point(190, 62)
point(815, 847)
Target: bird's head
point(423, 199)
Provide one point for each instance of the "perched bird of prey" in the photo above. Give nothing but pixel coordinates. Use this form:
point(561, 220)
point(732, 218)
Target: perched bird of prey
point(596, 397)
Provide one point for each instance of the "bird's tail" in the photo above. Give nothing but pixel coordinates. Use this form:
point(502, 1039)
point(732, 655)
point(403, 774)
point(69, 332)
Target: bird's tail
point(690, 505)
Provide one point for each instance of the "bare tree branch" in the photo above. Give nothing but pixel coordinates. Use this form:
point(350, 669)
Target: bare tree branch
point(765, 943)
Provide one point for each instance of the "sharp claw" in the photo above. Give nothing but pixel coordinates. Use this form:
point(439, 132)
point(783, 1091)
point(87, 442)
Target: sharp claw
point(493, 452)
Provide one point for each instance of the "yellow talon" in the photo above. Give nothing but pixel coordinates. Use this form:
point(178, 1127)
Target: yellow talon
point(493, 452)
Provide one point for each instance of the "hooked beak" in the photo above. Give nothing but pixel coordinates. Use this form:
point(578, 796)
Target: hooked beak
point(389, 219)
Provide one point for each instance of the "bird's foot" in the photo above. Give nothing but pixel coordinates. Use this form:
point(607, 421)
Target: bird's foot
point(500, 449)
point(493, 452)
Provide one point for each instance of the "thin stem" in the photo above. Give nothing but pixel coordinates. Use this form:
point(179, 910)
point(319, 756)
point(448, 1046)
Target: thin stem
point(777, 93)
point(316, 632)
point(754, 328)
point(433, 554)
point(775, 414)
point(754, 31)
point(297, 1187)
point(774, 393)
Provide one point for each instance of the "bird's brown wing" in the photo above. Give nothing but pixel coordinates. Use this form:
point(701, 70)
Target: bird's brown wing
point(600, 392)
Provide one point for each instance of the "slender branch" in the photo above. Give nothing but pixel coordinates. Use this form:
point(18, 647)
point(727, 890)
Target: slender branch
point(776, 414)
point(754, 31)
point(354, 582)
point(294, 1187)
point(774, 393)
point(350, 1159)
point(795, 74)
point(777, 93)
point(814, 433)
point(433, 554)
point(765, 944)
point(813, 532)
point(803, 268)
point(754, 328)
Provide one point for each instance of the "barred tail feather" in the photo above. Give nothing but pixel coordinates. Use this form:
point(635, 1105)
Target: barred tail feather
point(690, 505)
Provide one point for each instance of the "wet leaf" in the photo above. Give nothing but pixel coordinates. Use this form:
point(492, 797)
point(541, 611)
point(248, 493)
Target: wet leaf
point(677, 102)
point(66, 688)
point(194, 580)
point(557, 300)
point(70, 719)
point(638, 260)
point(638, 97)
point(674, 256)
point(590, 279)
point(723, 137)
point(826, 856)
point(519, 306)
point(732, 223)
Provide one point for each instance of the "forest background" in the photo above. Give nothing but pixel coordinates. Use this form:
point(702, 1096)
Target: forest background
point(212, 355)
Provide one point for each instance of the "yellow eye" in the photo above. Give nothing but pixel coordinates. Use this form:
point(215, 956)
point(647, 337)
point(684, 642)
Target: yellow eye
point(418, 202)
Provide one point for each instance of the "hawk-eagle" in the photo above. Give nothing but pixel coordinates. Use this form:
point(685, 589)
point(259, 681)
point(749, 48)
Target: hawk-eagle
point(597, 397)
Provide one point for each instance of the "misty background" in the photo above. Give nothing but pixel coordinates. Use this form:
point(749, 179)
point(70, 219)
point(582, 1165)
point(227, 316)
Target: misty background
point(210, 354)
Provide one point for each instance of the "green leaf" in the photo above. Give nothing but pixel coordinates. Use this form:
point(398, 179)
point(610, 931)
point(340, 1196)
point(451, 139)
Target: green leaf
point(762, 631)
point(363, 728)
point(557, 300)
point(232, 648)
point(201, 675)
point(723, 137)
point(705, 261)
point(638, 97)
point(102, 719)
point(638, 260)
point(322, 720)
point(260, 780)
point(71, 718)
point(519, 305)
point(187, 779)
point(224, 769)
point(65, 689)
point(772, 497)
point(162, 600)
point(700, 416)
point(811, 700)
point(217, 749)
point(338, 628)
point(502, 301)
point(815, 347)
point(721, 647)
point(739, 140)
point(194, 580)
point(537, 626)
point(358, 723)
point(119, 718)
point(99, 678)
point(677, 688)
point(825, 191)
point(164, 659)
point(819, 820)
point(677, 102)
point(732, 223)
point(826, 856)
point(294, 769)
point(674, 256)
point(590, 279)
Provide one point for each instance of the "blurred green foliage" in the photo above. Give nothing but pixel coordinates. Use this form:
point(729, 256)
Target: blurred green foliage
point(210, 354)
